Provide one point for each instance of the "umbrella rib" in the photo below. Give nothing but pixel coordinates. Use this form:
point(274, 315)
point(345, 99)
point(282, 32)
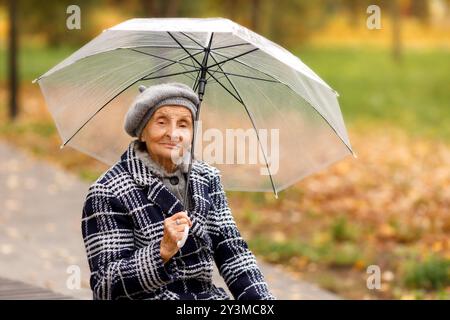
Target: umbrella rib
point(186, 69)
point(233, 58)
point(198, 73)
point(124, 48)
point(178, 42)
point(254, 127)
point(188, 74)
point(214, 71)
point(194, 87)
point(166, 66)
point(231, 46)
point(223, 86)
point(166, 47)
point(211, 75)
point(247, 77)
point(187, 36)
point(173, 61)
point(169, 75)
point(162, 58)
point(214, 80)
point(290, 88)
point(244, 64)
point(104, 105)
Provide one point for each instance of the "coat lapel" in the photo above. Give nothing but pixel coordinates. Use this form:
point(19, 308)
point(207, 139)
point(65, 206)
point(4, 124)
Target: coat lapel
point(169, 204)
point(159, 194)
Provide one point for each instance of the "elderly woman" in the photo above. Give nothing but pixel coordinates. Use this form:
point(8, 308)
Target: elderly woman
point(133, 216)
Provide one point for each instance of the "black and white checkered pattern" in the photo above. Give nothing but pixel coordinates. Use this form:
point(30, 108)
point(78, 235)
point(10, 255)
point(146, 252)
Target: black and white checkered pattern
point(122, 228)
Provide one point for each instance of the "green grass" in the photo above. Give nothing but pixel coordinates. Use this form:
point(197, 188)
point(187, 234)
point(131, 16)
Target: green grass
point(413, 95)
point(342, 230)
point(345, 254)
point(432, 273)
point(34, 61)
point(41, 128)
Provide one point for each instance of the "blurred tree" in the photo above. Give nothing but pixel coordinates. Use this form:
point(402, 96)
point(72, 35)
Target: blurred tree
point(165, 8)
point(12, 57)
point(255, 15)
point(354, 9)
point(292, 21)
point(231, 7)
point(396, 30)
point(421, 10)
point(357, 8)
point(49, 20)
point(288, 22)
point(161, 8)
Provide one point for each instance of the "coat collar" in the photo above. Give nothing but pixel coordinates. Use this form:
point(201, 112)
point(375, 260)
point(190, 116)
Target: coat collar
point(159, 194)
point(157, 191)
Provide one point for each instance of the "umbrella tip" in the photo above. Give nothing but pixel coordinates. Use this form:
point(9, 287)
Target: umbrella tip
point(354, 155)
point(35, 80)
point(61, 146)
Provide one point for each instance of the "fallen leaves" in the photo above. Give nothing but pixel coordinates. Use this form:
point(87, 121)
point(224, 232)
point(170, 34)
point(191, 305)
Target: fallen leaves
point(395, 195)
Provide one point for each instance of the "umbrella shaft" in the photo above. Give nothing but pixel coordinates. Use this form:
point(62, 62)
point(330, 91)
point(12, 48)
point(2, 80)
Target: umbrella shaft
point(201, 92)
point(201, 88)
point(202, 80)
point(191, 155)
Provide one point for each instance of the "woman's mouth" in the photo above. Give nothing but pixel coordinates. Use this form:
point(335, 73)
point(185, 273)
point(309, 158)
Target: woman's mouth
point(171, 145)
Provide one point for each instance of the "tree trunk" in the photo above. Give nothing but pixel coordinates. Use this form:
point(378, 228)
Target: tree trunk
point(172, 9)
point(13, 52)
point(255, 12)
point(396, 31)
point(151, 8)
point(231, 7)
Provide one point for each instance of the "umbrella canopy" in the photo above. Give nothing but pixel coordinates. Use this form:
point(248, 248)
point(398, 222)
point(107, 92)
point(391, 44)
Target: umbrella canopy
point(267, 120)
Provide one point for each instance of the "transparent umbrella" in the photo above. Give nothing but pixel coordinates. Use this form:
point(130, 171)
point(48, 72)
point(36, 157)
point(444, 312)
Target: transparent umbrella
point(267, 120)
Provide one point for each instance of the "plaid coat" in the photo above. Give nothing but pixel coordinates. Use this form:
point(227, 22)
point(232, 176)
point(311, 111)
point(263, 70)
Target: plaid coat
point(122, 227)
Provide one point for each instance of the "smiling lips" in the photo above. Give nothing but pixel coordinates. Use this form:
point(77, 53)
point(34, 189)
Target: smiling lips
point(170, 145)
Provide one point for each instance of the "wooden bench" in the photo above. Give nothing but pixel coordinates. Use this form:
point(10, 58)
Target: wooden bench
point(17, 290)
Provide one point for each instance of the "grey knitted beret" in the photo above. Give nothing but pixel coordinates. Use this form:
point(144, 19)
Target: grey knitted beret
point(154, 97)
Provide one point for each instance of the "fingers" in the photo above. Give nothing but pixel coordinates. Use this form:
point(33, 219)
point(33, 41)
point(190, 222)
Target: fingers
point(175, 226)
point(181, 214)
point(182, 217)
point(177, 233)
point(182, 221)
point(179, 228)
point(182, 241)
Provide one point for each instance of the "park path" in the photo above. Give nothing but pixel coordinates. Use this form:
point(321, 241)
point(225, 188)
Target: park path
point(40, 236)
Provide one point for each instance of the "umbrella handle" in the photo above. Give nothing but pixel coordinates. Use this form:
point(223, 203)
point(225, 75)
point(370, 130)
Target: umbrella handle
point(182, 241)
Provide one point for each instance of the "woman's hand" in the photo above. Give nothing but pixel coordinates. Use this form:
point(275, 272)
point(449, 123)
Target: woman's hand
point(173, 231)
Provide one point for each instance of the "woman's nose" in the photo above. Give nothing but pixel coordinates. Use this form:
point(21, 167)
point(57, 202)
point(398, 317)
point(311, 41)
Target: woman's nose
point(174, 133)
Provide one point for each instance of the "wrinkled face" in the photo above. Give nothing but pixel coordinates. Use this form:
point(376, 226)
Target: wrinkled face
point(168, 132)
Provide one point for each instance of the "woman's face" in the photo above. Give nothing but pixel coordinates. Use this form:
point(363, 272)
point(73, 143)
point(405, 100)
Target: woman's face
point(168, 133)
